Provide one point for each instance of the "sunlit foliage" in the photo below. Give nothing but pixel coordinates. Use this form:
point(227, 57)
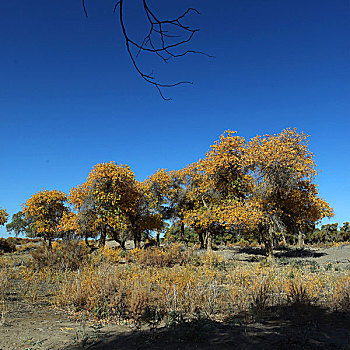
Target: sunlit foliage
point(43, 211)
point(3, 217)
point(263, 188)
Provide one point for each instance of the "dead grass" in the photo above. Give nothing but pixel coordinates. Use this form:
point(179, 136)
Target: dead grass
point(159, 285)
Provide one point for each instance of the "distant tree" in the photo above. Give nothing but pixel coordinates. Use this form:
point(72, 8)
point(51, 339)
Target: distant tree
point(3, 217)
point(19, 225)
point(167, 191)
point(44, 211)
point(345, 231)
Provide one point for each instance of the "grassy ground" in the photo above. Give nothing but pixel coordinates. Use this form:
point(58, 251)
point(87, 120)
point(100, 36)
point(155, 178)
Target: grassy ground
point(175, 299)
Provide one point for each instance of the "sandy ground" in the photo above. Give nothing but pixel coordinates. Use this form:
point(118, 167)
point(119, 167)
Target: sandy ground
point(26, 326)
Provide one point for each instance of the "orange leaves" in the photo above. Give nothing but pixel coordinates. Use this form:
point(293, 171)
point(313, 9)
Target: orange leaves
point(3, 216)
point(241, 183)
point(44, 210)
point(109, 193)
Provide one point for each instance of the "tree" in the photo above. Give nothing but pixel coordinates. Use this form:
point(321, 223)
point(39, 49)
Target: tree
point(19, 225)
point(283, 170)
point(345, 231)
point(3, 217)
point(168, 197)
point(111, 202)
point(103, 200)
point(163, 39)
point(219, 189)
point(44, 211)
point(264, 186)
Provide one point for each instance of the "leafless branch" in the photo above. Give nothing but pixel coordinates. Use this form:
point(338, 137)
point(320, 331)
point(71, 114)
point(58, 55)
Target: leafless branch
point(84, 7)
point(158, 40)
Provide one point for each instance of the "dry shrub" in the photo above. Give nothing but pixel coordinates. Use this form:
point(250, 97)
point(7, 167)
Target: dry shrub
point(7, 246)
point(68, 256)
point(261, 295)
point(148, 290)
point(99, 291)
point(142, 306)
point(298, 293)
point(163, 257)
point(341, 295)
point(112, 255)
point(4, 281)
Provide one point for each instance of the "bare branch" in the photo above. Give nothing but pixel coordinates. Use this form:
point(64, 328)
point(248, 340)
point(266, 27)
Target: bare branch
point(157, 41)
point(84, 7)
point(115, 7)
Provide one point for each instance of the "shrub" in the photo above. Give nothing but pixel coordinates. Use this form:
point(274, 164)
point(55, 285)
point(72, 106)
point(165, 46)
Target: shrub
point(163, 257)
point(112, 255)
point(6, 246)
point(68, 256)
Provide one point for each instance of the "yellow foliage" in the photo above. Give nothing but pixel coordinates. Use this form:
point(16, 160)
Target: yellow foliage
point(3, 216)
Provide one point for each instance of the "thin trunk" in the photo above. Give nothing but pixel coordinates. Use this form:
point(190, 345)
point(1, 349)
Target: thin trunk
point(269, 242)
point(300, 240)
point(158, 238)
point(103, 238)
point(183, 238)
point(209, 241)
point(87, 242)
point(137, 239)
point(284, 239)
point(201, 240)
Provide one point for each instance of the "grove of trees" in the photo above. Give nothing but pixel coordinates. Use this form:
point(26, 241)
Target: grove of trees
point(262, 188)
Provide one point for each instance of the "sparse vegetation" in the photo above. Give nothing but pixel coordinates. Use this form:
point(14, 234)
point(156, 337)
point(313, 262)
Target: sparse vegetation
point(253, 196)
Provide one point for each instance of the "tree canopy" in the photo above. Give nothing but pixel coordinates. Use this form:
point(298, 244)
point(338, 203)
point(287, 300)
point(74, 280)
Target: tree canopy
point(43, 211)
point(264, 187)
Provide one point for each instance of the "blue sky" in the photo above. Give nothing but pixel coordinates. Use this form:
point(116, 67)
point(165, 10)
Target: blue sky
point(70, 98)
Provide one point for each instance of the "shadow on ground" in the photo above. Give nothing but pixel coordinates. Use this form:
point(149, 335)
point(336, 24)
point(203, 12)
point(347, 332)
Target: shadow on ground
point(284, 252)
point(288, 327)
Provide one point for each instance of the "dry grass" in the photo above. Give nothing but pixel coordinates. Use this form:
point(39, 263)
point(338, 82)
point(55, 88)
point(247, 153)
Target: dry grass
point(149, 286)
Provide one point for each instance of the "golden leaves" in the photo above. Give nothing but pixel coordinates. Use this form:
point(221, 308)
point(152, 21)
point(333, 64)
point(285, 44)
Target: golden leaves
point(3, 216)
point(44, 211)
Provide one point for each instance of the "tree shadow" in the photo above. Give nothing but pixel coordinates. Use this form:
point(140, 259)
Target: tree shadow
point(252, 251)
point(280, 252)
point(299, 253)
point(297, 326)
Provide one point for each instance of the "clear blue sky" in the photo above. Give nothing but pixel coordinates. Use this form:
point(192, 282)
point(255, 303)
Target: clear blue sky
point(70, 98)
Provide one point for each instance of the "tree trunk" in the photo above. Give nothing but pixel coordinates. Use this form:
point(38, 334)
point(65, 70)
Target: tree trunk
point(300, 240)
point(102, 241)
point(269, 242)
point(137, 239)
point(183, 238)
point(284, 239)
point(209, 240)
point(158, 238)
point(201, 240)
point(87, 242)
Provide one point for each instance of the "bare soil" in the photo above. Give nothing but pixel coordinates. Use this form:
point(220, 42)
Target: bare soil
point(27, 326)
